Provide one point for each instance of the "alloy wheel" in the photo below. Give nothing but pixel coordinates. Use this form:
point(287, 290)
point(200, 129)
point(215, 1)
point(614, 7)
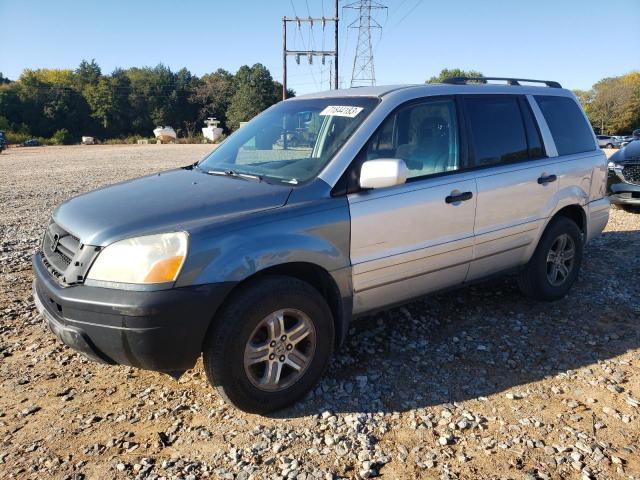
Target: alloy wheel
point(280, 349)
point(560, 259)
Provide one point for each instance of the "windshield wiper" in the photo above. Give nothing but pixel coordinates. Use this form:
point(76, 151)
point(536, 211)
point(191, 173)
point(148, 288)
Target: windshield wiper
point(233, 173)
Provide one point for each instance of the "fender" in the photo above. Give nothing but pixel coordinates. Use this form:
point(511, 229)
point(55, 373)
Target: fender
point(564, 197)
point(315, 232)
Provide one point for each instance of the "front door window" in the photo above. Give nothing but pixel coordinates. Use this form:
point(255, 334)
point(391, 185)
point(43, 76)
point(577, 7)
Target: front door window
point(424, 135)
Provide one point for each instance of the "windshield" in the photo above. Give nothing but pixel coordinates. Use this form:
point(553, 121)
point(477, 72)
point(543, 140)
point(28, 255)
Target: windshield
point(292, 141)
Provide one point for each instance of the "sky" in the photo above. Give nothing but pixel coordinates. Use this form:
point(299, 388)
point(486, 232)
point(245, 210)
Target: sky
point(576, 42)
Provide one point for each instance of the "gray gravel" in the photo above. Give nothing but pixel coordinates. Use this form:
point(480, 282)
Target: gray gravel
point(475, 383)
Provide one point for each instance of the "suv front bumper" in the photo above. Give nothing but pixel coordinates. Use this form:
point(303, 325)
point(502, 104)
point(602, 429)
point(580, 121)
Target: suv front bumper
point(622, 192)
point(160, 330)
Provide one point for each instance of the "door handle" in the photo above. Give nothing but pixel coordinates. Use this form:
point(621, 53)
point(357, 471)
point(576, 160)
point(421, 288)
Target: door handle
point(459, 197)
point(547, 179)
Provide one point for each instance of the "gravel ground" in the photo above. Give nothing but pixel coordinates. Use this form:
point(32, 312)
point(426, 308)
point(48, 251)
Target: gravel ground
point(475, 383)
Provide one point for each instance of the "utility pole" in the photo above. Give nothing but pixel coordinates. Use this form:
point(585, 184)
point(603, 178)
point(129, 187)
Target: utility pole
point(363, 72)
point(335, 40)
point(331, 77)
point(309, 53)
point(284, 58)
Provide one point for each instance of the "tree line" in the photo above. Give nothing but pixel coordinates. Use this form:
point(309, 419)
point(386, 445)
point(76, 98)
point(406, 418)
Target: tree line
point(65, 104)
point(613, 104)
point(133, 101)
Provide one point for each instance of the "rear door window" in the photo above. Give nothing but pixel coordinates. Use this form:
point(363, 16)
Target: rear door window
point(497, 129)
point(570, 130)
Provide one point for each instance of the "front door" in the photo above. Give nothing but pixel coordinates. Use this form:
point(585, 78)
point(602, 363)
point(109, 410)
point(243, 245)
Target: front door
point(415, 238)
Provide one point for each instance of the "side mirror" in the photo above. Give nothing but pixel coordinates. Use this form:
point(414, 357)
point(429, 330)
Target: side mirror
point(383, 172)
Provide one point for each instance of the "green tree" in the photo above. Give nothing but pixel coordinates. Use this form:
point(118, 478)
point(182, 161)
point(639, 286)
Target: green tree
point(212, 96)
point(50, 101)
point(61, 137)
point(132, 101)
point(121, 113)
point(87, 73)
point(613, 104)
point(154, 98)
point(453, 72)
point(255, 92)
point(11, 107)
point(184, 113)
point(100, 100)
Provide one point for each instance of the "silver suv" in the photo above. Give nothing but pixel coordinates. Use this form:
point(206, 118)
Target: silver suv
point(322, 208)
point(607, 141)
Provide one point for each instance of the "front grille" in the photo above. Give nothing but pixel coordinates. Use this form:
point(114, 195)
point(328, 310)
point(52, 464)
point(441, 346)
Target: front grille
point(59, 248)
point(64, 256)
point(631, 173)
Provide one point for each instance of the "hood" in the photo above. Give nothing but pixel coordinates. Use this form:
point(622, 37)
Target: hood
point(163, 202)
point(626, 154)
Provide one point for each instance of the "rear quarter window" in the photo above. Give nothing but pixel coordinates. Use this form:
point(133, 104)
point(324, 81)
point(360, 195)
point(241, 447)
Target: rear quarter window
point(570, 130)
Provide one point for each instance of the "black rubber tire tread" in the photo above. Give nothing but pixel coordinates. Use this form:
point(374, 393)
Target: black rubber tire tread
point(225, 342)
point(532, 279)
point(631, 208)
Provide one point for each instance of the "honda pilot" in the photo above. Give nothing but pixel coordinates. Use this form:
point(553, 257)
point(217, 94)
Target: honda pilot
point(323, 208)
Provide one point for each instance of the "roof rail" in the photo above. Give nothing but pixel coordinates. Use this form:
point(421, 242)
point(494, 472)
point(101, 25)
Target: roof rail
point(510, 81)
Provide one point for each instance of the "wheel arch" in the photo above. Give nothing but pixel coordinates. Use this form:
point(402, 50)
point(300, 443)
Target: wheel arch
point(316, 276)
point(573, 212)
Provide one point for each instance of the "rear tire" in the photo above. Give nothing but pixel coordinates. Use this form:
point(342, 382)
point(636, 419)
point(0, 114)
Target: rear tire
point(255, 354)
point(609, 145)
point(555, 264)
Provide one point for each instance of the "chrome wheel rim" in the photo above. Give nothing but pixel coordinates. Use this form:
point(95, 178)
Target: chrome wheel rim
point(560, 259)
point(280, 350)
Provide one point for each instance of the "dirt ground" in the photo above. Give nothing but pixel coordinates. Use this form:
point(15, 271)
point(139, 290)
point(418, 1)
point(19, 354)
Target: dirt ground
point(475, 383)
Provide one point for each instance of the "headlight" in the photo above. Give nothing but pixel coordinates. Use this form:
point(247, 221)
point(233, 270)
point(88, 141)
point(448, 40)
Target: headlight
point(148, 259)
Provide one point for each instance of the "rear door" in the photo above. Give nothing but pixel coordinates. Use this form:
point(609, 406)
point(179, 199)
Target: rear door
point(516, 180)
point(414, 238)
point(581, 165)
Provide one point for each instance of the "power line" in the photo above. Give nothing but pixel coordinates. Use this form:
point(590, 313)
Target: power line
point(311, 51)
point(345, 47)
point(406, 15)
point(294, 8)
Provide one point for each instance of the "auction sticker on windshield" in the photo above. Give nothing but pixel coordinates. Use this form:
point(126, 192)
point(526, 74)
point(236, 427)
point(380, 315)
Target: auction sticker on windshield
point(341, 111)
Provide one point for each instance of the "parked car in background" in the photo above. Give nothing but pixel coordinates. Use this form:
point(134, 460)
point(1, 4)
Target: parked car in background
point(3, 141)
point(607, 141)
point(258, 256)
point(623, 183)
point(631, 138)
point(32, 142)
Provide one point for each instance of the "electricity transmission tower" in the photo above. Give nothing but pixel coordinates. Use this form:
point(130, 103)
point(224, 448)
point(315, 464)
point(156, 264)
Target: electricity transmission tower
point(364, 72)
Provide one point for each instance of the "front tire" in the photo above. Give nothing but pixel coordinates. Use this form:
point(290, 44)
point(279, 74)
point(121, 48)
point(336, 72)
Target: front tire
point(555, 264)
point(270, 344)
